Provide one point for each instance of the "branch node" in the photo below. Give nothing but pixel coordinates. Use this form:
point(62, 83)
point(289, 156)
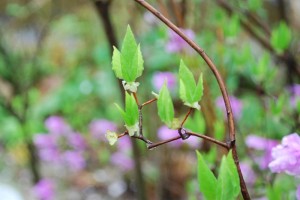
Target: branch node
point(183, 133)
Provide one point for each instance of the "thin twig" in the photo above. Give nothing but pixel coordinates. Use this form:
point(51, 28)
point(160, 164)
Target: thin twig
point(186, 116)
point(148, 102)
point(123, 134)
point(154, 145)
point(141, 137)
point(222, 144)
point(135, 97)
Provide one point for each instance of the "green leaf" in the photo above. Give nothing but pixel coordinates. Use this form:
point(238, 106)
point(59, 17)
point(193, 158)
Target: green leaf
point(189, 92)
point(131, 57)
point(138, 63)
point(131, 113)
point(165, 106)
point(198, 93)
point(131, 109)
point(116, 63)
point(281, 37)
point(228, 186)
point(207, 180)
point(196, 122)
point(189, 83)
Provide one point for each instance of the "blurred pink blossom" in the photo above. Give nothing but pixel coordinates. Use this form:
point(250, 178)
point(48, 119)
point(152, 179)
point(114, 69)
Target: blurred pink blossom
point(261, 144)
point(57, 125)
point(248, 173)
point(122, 160)
point(74, 160)
point(76, 141)
point(286, 156)
point(99, 127)
point(295, 94)
point(124, 144)
point(160, 78)
point(164, 133)
point(236, 106)
point(61, 145)
point(176, 44)
point(44, 189)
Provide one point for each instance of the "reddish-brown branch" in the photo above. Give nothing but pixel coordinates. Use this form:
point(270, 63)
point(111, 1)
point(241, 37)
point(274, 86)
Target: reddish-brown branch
point(154, 145)
point(205, 137)
point(136, 99)
point(123, 134)
point(186, 116)
point(148, 102)
point(221, 84)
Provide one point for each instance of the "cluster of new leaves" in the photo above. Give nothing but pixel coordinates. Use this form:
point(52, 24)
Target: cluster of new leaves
point(226, 186)
point(189, 92)
point(128, 64)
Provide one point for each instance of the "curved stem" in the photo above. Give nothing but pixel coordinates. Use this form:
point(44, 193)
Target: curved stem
point(221, 84)
point(222, 144)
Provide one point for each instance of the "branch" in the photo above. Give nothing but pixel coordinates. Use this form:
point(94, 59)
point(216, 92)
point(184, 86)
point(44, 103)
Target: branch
point(222, 144)
point(148, 102)
point(186, 116)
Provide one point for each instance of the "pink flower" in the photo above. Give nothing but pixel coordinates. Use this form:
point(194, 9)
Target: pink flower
point(248, 173)
point(193, 142)
point(160, 78)
point(286, 156)
point(76, 141)
point(124, 144)
point(57, 125)
point(74, 160)
point(236, 106)
point(61, 145)
point(261, 144)
point(122, 160)
point(44, 141)
point(44, 190)
point(295, 94)
point(98, 128)
point(176, 44)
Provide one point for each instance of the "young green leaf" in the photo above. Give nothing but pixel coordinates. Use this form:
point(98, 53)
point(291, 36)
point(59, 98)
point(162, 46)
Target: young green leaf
point(281, 37)
point(188, 81)
point(228, 186)
point(131, 57)
point(116, 63)
point(128, 64)
point(189, 92)
point(207, 180)
point(165, 106)
point(199, 90)
point(130, 114)
point(131, 109)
